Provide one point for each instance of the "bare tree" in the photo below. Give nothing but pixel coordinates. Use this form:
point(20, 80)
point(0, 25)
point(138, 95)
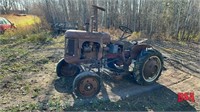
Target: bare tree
point(179, 19)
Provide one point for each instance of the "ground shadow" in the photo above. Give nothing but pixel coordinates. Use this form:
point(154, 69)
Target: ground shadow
point(162, 99)
point(64, 85)
point(133, 97)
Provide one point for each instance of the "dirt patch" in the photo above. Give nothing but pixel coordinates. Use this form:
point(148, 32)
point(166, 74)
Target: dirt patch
point(182, 56)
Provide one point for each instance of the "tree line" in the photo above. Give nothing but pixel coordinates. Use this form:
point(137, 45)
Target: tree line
point(179, 19)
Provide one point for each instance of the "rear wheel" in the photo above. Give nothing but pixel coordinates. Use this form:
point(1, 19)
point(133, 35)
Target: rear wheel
point(86, 85)
point(148, 67)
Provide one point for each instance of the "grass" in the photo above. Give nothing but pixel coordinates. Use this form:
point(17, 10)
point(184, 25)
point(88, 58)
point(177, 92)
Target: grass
point(22, 58)
point(23, 21)
point(27, 26)
point(16, 46)
point(17, 57)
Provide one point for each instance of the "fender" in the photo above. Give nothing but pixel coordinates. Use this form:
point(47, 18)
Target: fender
point(136, 50)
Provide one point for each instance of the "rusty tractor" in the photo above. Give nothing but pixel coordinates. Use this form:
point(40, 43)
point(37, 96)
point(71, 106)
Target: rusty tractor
point(87, 52)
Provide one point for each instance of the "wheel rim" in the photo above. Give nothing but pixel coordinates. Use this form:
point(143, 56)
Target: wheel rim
point(151, 68)
point(88, 86)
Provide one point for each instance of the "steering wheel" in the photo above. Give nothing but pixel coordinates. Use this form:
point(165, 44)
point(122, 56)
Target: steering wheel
point(125, 29)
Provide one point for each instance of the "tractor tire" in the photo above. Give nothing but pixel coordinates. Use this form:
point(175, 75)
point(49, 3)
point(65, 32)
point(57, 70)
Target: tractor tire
point(86, 85)
point(148, 67)
point(63, 69)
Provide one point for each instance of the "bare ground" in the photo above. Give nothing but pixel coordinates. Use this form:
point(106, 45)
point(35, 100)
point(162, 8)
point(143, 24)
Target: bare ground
point(36, 86)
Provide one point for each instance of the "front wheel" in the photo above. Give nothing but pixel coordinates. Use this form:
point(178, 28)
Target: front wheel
point(148, 67)
point(64, 69)
point(86, 85)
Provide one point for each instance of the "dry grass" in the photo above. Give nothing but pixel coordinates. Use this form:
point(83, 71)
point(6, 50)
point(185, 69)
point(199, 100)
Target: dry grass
point(23, 21)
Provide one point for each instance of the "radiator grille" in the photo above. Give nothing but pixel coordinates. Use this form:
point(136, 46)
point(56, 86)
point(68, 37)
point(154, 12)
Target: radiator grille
point(70, 46)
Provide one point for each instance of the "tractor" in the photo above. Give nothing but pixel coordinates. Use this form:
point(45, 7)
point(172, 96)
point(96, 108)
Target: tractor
point(88, 52)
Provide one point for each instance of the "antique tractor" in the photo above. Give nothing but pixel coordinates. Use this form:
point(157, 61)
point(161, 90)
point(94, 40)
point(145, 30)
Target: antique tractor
point(87, 52)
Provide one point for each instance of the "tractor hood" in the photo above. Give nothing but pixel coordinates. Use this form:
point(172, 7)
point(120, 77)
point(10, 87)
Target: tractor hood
point(80, 34)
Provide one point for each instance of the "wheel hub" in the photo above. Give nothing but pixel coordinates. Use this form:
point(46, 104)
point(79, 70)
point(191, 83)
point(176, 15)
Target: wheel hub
point(151, 68)
point(88, 86)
